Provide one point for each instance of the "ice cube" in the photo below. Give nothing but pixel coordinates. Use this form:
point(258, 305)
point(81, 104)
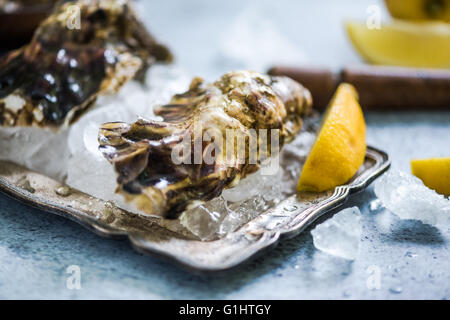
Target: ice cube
point(245, 189)
point(92, 175)
point(408, 198)
point(253, 185)
point(328, 267)
point(340, 235)
point(242, 212)
point(204, 220)
point(384, 220)
point(375, 205)
point(38, 149)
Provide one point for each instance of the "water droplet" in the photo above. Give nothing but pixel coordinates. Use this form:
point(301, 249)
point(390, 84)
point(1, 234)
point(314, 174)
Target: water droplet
point(63, 191)
point(396, 289)
point(290, 208)
point(410, 254)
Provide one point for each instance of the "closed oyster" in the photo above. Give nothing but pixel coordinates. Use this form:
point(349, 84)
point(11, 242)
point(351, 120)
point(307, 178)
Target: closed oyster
point(244, 102)
point(83, 49)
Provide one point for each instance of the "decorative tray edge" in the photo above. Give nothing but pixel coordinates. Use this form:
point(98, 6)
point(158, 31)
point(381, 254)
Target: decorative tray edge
point(148, 237)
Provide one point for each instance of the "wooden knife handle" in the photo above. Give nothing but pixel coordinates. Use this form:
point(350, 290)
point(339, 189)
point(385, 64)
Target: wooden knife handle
point(380, 88)
point(388, 88)
point(17, 27)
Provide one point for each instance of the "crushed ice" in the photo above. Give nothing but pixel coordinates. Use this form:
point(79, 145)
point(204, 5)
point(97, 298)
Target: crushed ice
point(375, 205)
point(408, 198)
point(37, 149)
point(340, 235)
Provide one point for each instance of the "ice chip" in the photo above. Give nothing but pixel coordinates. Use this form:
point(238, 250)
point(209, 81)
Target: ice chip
point(92, 175)
point(242, 212)
point(375, 205)
point(408, 198)
point(245, 189)
point(340, 235)
point(254, 184)
point(204, 220)
point(384, 220)
point(37, 149)
point(329, 268)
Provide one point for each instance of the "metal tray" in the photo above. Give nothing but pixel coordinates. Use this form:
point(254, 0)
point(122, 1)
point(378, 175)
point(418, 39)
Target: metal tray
point(290, 217)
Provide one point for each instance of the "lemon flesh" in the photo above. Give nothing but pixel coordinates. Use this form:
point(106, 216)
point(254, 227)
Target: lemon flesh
point(340, 147)
point(435, 173)
point(419, 9)
point(411, 44)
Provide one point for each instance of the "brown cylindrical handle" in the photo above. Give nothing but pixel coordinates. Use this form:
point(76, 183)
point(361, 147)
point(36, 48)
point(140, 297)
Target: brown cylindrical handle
point(393, 88)
point(379, 88)
point(320, 82)
point(17, 27)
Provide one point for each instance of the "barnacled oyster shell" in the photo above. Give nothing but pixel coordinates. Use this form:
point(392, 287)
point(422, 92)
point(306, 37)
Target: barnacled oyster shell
point(69, 62)
point(243, 101)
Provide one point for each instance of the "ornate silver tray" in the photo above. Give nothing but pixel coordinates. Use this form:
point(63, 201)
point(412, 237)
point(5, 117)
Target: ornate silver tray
point(290, 217)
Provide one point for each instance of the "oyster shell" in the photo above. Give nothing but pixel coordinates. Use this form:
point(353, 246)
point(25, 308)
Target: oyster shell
point(142, 153)
point(56, 77)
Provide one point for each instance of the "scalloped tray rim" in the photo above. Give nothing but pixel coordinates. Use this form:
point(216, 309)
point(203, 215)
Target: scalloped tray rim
point(268, 239)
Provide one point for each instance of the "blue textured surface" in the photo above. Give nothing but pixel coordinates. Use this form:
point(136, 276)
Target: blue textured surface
point(413, 259)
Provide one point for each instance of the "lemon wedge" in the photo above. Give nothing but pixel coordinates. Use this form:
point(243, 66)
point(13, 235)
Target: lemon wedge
point(435, 173)
point(413, 44)
point(419, 9)
point(340, 147)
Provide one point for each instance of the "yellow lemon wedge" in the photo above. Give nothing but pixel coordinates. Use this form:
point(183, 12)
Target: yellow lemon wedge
point(340, 147)
point(435, 173)
point(411, 44)
point(419, 9)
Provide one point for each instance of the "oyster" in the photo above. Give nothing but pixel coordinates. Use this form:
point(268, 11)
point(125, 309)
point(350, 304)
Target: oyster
point(56, 77)
point(242, 101)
